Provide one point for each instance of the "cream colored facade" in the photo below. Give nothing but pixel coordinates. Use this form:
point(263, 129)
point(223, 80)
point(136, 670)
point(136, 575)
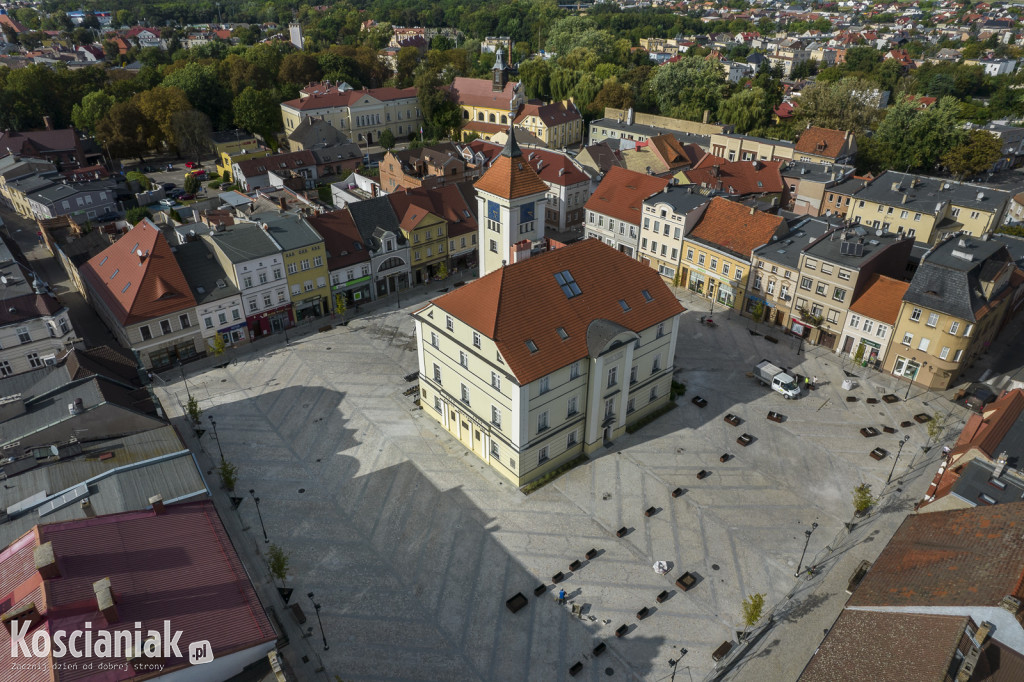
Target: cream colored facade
point(362, 120)
point(871, 334)
point(563, 134)
point(525, 431)
point(743, 148)
point(666, 221)
point(714, 274)
point(771, 284)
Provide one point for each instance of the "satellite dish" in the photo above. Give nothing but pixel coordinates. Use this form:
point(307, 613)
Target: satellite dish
point(139, 253)
point(3, 279)
point(878, 233)
point(54, 451)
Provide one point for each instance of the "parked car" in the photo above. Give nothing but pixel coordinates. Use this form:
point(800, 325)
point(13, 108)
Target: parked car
point(186, 197)
point(170, 166)
point(175, 193)
point(167, 202)
point(168, 185)
point(192, 164)
point(199, 173)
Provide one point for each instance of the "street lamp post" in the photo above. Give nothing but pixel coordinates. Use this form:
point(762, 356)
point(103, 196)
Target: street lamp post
point(257, 501)
point(807, 541)
point(316, 607)
point(181, 368)
point(213, 424)
point(895, 461)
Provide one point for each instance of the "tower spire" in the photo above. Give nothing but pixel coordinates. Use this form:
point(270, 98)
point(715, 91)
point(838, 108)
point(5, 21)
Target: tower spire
point(511, 149)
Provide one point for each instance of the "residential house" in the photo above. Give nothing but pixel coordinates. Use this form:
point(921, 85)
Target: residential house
point(335, 159)
point(549, 357)
point(93, 577)
point(737, 179)
point(954, 308)
point(348, 260)
point(457, 203)
point(949, 583)
point(833, 271)
point(389, 249)
point(252, 172)
point(568, 185)
point(1015, 210)
point(976, 482)
point(254, 264)
point(558, 124)
point(14, 168)
point(872, 319)
point(1012, 139)
point(601, 156)
point(426, 232)
point(667, 218)
point(661, 155)
point(61, 147)
point(147, 37)
point(839, 196)
point(361, 115)
point(614, 211)
point(19, 191)
point(426, 167)
point(35, 327)
point(927, 209)
point(312, 132)
point(824, 145)
point(218, 302)
point(227, 160)
point(81, 200)
point(716, 254)
point(809, 183)
point(141, 294)
point(628, 125)
point(305, 261)
point(775, 271)
point(746, 148)
point(510, 195)
point(995, 66)
point(488, 106)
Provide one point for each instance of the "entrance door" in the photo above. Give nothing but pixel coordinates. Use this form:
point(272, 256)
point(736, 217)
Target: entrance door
point(848, 345)
point(607, 434)
point(275, 324)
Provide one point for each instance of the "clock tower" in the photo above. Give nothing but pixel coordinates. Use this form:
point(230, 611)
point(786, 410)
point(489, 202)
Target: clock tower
point(510, 200)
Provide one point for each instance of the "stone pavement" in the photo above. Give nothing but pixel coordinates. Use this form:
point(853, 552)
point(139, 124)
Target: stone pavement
point(412, 545)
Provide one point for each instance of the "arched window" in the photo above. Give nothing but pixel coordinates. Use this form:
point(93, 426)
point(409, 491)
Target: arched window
point(492, 118)
point(391, 263)
point(465, 114)
point(504, 119)
point(479, 115)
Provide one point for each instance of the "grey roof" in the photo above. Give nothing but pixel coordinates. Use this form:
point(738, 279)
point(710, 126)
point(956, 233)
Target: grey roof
point(313, 131)
point(59, 191)
point(221, 136)
point(32, 184)
point(976, 480)
point(1014, 244)
point(243, 242)
point(183, 232)
point(651, 131)
point(234, 198)
point(786, 250)
point(763, 140)
point(930, 192)
point(817, 172)
point(289, 230)
point(1004, 132)
point(850, 186)
point(205, 277)
point(337, 152)
point(831, 247)
point(950, 277)
point(372, 215)
point(681, 199)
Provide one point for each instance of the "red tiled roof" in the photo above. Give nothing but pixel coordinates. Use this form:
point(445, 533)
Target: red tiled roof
point(476, 92)
point(553, 167)
point(737, 177)
point(331, 98)
point(484, 127)
point(552, 114)
point(987, 430)
point(511, 178)
point(886, 647)
point(964, 557)
point(784, 110)
point(881, 298)
point(831, 142)
point(735, 227)
point(291, 160)
point(136, 289)
point(8, 20)
point(673, 153)
point(43, 140)
point(522, 302)
point(179, 566)
point(342, 240)
point(622, 193)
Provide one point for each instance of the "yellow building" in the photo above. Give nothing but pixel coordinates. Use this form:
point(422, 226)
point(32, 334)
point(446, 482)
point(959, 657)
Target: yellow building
point(361, 115)
point(232, 142)
point(17, 193)
point(305, 261)
point(227, 159)
point(488, 106)
point(427, 234)
point(927, 209)
point(953, 309)
point(716, 253)
point(558, 124)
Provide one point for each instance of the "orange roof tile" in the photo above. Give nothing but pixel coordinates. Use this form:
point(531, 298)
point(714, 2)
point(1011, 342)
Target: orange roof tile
point(478, 92)
point(136, 288)
point(830, 141)
point(510, 176)
point(736, 228)
point(737, 177)
point(622, 193)
point(881, 298)
point(522, 302)
point(987, 430)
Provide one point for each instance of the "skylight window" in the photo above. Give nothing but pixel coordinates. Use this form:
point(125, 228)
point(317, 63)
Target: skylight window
point(568, 284)
point(564, 334)
point(531, 345)
point(647, 295)
point(114, 274)
point(104, 260)
point(126, 287)
point(625, 306)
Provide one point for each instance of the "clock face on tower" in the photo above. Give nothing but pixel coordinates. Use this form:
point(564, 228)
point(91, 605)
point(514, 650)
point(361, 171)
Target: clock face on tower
point(493, 211)
point(526, 213)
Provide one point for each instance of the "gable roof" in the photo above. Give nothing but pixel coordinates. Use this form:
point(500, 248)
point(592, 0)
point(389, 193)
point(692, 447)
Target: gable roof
point(880, 299)
point(952, 284)
point(136, 288)
point(42, 140)
point(331, 98)
point(735, 228)
point(622, 192)
point(830, 141)
point(986, 431)
point(477, 92)
point(737, 177)
point(373, 217)
point(550, 115)
point(964, 557)
point(342, 240)
point(523, 301)
point(554, 168)
point(312, 131)
point(276, 162)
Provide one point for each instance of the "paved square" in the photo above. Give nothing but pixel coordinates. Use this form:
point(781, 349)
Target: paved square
point(412, 545)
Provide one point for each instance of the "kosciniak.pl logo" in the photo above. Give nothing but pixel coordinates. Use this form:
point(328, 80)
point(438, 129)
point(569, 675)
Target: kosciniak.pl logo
point(89, 643)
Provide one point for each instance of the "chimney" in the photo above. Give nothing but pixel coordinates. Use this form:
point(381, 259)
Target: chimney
point(1000, 465)
point(752, 209)
point(105, 602)
point(1010, 603)
point(46, 561)
point(904, 199)
point(27, 612)
point(157, 501)
point(47, 122)
point(629, 116)
point(707, 115)
point(283, 203)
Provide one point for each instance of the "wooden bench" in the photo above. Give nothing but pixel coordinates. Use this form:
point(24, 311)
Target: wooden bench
point(575, 566)
point(591, 554)
point(851, 398)
point(558, 577)
point(599, 649)
point(540, 589)
point(297, 614)
point(702, 474)
point(621, 532)
point(576, 668)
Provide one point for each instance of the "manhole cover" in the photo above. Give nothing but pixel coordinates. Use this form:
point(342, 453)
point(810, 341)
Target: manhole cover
point(318, 459)
point(714, 567)
point(223, 381)
point(609, 671)
point(302, 490)
point(328, 348)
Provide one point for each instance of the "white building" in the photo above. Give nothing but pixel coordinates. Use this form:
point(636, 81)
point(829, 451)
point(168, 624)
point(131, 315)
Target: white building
point(872, 317)
point(218, 302)
point(614, 210)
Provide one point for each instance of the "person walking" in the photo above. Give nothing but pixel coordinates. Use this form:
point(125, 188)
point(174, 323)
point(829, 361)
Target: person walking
point(561, 597)
point(814, 382)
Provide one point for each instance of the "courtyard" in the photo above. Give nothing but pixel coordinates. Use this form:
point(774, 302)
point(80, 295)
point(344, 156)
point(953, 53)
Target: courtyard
point(412, 545)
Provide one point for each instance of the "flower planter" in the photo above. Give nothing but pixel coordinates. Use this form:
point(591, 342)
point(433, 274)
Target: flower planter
point(516, 602)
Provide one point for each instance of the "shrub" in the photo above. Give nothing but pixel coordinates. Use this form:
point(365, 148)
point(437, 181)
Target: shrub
point(640, 423)
point(532, 486)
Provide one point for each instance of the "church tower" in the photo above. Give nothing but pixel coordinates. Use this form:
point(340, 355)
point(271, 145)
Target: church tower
point(510, 199)
point(500, 72)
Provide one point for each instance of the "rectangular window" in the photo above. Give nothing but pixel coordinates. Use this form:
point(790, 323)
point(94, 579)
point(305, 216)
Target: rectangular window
point(844, 274)
point(656, 365)
point(542, 455)
point(317, 261)
point(437, 372)
point(613, 376)
point(959, 354)
point(630, 405)
point(633, 372)
point(573, 407)
point(465, 394)
point(247, 282)
point(495, 415)
point(183, 319)
point(854, 321)
point(263, 278)
point(542, 421)
point(944, 353)
point(700, 259)
point(654, 393)
point(805, 283)
point(165, 326)
point(811, 264)
point(689, 255)
point(574, 370)
point(434, 340)
point(882, 329)
point(923, 344)
point(292, 268)
point(821, 289)
point(915, 315)
point(570, 440)
point(463, 358)
point(908, 339)
point(933, 319)
point(34, 361)
point(253, 305)
point(5, 369)
point(826, 269)
point(437, 404)
point(714, 264)
point(868, 324)
point(496, 380)
point(954, 327)
point(839, 295)
point(23, 335)
point(222, 318)
point(277, 273)
point(208, 322)
point(449, 323)
point(833, 316)
point(476, 339)
point(609, 408)
point(545, 385)
point(968, 329)
point(725, 269)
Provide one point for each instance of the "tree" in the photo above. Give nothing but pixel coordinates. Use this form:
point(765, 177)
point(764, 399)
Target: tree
point(845, 104)
point(753, 606)
point(137, 214)
point(158, 106)
point(441, 112)
point(748, 110)
point(974, 155)
point(386, 139)
point(217, 346)
point(406, 61)
point(94, 106)
point(535, 75)
point(689, 87)
point(191, 133)
point(862, 498)
point(912, 139)
point(228, 475)
point(258, 111)
point(277, 562)
point(612, 94)
point(442, 271)
point(299, 68)
point(192, 184)
point(193, 410)
point(123, 131)
point(200, 84)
